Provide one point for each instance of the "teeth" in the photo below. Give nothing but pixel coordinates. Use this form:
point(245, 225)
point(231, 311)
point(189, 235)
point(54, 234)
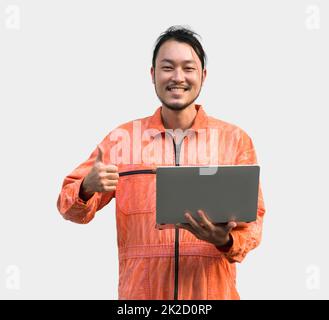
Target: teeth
point(176, 89)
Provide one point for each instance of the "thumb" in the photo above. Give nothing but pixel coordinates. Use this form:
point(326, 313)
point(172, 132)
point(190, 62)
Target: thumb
point(99, 157)
point(231, 225)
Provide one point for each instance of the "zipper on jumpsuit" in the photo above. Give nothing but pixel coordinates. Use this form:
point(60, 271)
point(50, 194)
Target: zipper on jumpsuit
point(176, 229)
point(150, 171)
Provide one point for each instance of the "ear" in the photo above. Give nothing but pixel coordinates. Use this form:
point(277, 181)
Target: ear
point(152, 74)
point(204, 75)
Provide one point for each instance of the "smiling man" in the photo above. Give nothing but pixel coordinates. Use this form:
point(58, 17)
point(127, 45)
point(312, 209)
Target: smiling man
point(195, 260)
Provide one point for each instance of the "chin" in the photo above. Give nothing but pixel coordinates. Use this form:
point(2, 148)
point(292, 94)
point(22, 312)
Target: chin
point(176, 106)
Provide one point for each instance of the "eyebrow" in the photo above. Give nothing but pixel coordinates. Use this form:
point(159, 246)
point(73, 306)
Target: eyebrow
point(173, 62)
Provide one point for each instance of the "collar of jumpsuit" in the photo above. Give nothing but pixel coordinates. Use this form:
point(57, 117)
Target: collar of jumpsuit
point(155, 123)
point(200, 121)
point(147, 268)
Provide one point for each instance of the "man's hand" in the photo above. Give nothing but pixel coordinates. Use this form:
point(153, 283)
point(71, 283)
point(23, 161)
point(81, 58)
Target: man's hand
point(217, 234)
point(101, 178)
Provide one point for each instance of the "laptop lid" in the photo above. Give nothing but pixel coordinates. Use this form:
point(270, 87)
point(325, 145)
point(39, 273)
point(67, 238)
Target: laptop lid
point(224, 192)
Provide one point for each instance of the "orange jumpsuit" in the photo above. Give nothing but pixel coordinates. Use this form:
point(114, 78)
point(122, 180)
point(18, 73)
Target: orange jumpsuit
point(146, 254)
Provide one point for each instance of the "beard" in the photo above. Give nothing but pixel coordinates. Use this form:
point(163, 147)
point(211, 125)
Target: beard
point(178, 106)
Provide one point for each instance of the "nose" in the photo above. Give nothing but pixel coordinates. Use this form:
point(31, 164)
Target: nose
point(178, 75)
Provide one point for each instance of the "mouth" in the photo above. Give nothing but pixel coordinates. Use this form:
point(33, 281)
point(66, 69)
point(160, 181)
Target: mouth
point(177, 89)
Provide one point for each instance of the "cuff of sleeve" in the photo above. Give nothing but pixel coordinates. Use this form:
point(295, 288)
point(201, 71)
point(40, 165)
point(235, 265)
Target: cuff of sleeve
point(80, 202)
point(226, 249)
point(232, 251)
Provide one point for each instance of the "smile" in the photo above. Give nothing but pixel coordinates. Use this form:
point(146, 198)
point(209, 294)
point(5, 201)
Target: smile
point(177, 89)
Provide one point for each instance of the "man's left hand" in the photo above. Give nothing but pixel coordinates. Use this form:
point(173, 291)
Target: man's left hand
point(217, 234)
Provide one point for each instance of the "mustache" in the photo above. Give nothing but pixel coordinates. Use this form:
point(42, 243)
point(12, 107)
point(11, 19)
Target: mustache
point(186, 87)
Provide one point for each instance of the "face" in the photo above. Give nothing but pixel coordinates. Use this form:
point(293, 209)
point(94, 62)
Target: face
point(178, 75)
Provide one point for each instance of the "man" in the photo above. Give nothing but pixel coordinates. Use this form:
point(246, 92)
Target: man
point(195, 260)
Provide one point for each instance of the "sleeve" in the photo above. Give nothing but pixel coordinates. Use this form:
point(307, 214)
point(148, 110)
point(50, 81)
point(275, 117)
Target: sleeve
point(248, 236)
point(69, 204)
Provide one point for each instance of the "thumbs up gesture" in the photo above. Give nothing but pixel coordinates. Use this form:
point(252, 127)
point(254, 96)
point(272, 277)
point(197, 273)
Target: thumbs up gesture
point(101, 178)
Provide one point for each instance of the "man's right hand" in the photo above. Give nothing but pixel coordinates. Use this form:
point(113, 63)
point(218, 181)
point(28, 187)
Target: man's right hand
point(101, 178)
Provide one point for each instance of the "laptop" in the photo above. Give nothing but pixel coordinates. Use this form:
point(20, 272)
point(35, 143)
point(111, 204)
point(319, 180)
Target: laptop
point(225, 193)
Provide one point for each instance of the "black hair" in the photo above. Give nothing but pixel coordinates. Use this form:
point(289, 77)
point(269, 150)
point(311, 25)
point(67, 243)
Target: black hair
point(181, 34)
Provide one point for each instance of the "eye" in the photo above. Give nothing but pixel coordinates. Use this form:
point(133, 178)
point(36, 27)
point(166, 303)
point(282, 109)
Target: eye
point(166, 68)
point(189, 68)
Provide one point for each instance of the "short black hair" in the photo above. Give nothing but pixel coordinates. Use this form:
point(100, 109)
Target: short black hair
point(181, 34)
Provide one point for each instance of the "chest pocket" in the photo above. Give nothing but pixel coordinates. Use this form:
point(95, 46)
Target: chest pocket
point(135, 193)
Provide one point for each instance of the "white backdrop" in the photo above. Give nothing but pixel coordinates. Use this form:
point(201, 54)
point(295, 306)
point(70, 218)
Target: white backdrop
point(71, 71)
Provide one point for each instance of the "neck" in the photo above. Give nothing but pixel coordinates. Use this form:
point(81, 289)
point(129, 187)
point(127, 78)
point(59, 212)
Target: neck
point(182, 119)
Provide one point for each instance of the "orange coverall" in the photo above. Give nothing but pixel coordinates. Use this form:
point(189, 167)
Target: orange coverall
point(147, 254)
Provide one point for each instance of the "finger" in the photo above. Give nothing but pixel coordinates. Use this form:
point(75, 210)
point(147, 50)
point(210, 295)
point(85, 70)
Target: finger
point(109, 176)
point(110, 183)
point(183, 225)
point(111, 168)
point(230, 225)
point(205, 220)
point(193, 222)
point(99, 157)
point(109, 188)
point(188, 227)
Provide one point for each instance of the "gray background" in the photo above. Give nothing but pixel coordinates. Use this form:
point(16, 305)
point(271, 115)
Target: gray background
point(71, 71)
